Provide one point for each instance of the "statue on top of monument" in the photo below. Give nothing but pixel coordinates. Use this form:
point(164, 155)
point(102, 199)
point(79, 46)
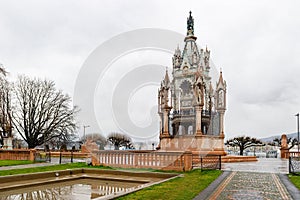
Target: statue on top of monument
point(190, 25)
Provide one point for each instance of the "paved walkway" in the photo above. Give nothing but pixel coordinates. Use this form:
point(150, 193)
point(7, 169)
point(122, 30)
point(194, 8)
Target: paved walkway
point(265, 165)
point(54, 161)
point(26, 166)
point(262, 180)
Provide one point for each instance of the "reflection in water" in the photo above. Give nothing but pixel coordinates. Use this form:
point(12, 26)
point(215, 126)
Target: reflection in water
point(70, 190)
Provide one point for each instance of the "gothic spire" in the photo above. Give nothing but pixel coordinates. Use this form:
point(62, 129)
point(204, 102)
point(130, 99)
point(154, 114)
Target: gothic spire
point(166, 81)
point(221, 84)
point(177, 51)
point(190, 25)
point(221, 77)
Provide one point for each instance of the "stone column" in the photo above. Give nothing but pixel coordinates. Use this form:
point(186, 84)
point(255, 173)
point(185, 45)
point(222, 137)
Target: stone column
point(221, 112)
point(198, 119)
point(166, 127)
point(166, 120)
point(186, 127)
point(160, 124)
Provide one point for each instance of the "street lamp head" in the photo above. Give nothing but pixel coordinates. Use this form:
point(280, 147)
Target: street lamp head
point(84, 127)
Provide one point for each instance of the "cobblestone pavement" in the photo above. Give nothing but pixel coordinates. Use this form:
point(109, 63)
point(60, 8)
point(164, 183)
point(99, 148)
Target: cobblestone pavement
point(251, 186)
point(265, 179)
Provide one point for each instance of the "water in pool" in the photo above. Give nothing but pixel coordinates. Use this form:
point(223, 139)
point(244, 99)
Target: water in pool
point(76, 190)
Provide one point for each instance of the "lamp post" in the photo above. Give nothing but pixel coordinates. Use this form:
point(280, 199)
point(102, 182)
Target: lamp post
point(297, 130)
point(84, 127)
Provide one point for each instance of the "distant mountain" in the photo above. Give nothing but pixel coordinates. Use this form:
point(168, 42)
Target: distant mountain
point(271, 138)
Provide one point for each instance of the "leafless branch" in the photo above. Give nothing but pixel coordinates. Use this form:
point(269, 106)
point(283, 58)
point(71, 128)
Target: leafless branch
point(41, 112)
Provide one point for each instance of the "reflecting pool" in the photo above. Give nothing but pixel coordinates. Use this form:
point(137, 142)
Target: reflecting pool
point(80, 189)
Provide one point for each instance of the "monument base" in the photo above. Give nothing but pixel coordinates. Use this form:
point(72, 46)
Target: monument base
point(200, 144)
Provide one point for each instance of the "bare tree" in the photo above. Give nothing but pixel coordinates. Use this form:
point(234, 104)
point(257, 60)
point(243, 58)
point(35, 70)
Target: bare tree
point(5, 109)
point(276, 142)
point(63, 141)
point(120, 140)
point(293, 142)
point(97, 138)
point(140, 145)
point(243, 142)
point(41, 112)
point(290, 141)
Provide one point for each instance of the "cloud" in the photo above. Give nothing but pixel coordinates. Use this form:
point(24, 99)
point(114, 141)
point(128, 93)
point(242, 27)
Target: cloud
point(256, 45)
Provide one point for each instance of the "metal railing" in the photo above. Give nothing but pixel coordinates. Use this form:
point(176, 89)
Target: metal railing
point(207, 161)
point(294, 163)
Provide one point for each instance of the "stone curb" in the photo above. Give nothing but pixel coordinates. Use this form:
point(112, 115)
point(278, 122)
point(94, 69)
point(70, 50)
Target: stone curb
point(291, 188)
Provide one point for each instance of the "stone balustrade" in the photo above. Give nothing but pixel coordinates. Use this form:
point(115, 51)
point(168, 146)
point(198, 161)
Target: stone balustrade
point(292, 154)
point(180, 161)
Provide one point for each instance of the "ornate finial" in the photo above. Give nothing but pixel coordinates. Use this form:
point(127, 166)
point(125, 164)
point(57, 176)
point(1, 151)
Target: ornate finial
point(166, 81)
point(221, 77)
point(190, 25)
point(177, 51)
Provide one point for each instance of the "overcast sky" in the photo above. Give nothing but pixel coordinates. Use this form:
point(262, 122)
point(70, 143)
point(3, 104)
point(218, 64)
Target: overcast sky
point(256, 43)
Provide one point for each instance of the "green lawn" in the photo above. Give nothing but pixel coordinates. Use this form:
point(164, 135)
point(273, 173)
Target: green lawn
point(186, 187)
point(295, 179)
point(14, 162)
point(42, 169)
